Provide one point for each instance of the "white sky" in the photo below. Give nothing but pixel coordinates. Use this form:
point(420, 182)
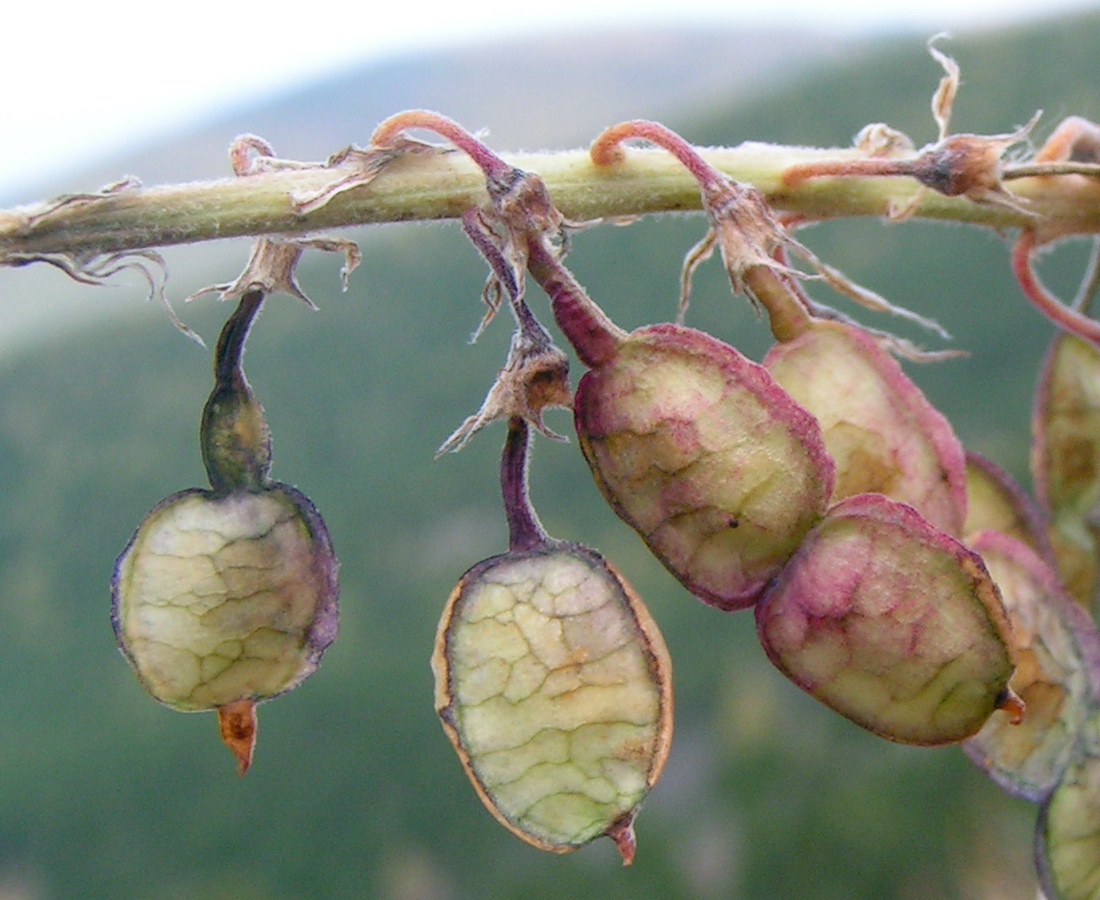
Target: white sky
point(89, 78)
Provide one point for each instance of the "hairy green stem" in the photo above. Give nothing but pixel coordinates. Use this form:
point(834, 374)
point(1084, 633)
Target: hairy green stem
point(444, 185)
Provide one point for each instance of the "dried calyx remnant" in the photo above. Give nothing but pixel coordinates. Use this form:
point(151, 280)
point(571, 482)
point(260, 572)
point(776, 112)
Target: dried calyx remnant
point(228, 596)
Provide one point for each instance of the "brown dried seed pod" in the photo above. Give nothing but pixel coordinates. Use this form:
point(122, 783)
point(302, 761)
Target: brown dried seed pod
point(892, 623)
point(554, 685)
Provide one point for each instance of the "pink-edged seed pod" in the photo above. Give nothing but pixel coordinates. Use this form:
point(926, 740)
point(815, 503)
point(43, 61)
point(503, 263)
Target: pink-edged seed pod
point(881, 431)
point(1057, 666)
point(892, 623)
point(1065, 459)
point(699, 450)
point(995, 501)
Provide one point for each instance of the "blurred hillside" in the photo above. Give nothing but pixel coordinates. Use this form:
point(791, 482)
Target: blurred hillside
point(355, 791)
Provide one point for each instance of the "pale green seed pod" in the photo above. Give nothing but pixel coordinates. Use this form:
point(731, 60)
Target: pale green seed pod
point(223, 598)
point(706, 456)
point(882, 433)
point(1065, 459)
point(1067, 842)
point(552, 682)
point(227, 597)
point(892, 623)
point(554, 685)
point(996, 502)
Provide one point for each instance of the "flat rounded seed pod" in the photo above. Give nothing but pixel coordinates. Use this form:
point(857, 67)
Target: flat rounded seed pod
point(1066, 427)
point(220, 598)
point(890, 622)
point(996, 502)
point(705, 456)
point(554, 685)
point(1067, 838)
point(881, 431)
point(1057, 655)
point(1065, 459)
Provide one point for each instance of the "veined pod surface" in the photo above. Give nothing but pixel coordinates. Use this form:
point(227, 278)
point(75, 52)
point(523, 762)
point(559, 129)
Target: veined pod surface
point(222, 598)
point(1058, 661)
point(554, 685)
point(1067, 840)
point(226, 597)
point(882, 433)
point(699, 450)
point(892, 623)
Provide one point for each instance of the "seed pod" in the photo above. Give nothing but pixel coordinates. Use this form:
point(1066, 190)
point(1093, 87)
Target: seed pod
point(227, 597)
point(705, 456)
point(1067, 841)
point(1065, 458)
point(1058, 654)
point(882, 433)
point(996, 502)
point(553, 684)
point(891, 623)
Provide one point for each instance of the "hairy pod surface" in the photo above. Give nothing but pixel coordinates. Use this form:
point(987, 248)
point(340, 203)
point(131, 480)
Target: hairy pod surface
point(554, 686)
point(1067, 841)
point(890, 622)
point(1057, 655)
point(219, 598)
point(882, 433)
point(699, 450)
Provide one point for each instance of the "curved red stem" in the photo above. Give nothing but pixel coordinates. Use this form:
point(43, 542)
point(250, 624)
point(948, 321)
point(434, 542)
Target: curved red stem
point(1061, 315)
point(387, 132)
point(605, 150)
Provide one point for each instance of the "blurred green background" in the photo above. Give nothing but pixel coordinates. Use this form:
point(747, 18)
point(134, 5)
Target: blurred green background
point(355, 791)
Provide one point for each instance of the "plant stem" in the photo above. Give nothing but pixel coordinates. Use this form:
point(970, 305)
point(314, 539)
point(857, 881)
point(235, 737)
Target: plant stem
point(444, 185)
